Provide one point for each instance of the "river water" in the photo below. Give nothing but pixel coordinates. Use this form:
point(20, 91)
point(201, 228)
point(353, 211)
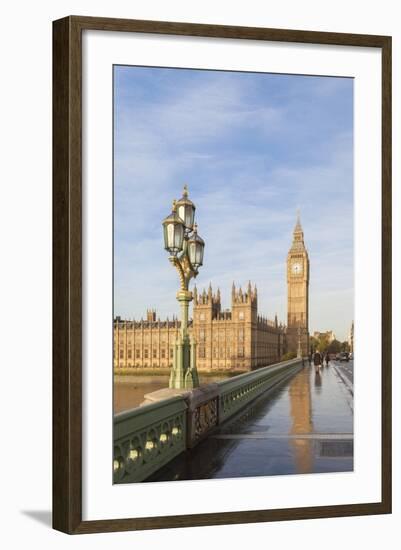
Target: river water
point(129, 390)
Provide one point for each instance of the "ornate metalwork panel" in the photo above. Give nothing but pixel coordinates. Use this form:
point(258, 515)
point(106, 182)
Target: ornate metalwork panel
point(204, 418)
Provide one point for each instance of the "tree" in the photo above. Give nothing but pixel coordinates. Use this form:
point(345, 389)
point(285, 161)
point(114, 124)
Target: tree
point(313, 344)
point(345, 346)
point(334, 347)
point(320, 344)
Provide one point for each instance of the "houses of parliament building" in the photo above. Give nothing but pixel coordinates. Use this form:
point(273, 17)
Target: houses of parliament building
point(235, 339)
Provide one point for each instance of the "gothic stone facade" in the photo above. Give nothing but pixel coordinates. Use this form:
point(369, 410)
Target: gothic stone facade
point(233, 339)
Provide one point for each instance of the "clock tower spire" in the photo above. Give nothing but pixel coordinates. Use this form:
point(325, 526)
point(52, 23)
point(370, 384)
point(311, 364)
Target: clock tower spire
point(298, 292)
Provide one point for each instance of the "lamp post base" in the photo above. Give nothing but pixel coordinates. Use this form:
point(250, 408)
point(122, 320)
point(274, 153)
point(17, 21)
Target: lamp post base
point(184, 374)
point(187, 382)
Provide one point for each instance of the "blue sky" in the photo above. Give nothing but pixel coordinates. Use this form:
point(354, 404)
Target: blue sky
point(252, 148)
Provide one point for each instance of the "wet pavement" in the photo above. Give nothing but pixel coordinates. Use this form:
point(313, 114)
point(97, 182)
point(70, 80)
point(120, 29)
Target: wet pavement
point(303, 426)
point(346, 368)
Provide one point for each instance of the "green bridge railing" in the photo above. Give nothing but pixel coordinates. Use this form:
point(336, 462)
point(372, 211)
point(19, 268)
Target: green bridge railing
point(149, 437)
point(237, 392)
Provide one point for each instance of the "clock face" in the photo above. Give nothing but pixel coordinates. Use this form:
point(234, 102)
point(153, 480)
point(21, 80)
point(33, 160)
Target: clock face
point(296, 268)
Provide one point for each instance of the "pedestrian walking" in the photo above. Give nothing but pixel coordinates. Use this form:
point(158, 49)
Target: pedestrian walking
point(310, 359)
point(317, 360)
point(327, 358)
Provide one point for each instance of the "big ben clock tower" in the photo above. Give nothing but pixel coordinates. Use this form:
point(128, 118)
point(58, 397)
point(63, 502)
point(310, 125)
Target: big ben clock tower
point(298, 294)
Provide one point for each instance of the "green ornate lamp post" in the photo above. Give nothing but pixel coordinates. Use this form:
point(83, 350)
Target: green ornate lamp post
point(186, 248)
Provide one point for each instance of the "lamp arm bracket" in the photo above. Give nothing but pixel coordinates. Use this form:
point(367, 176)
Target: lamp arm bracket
point(184, 268)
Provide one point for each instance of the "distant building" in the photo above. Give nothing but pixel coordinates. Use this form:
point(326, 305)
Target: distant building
point(328, 335)
point(238, 338)
point(351, 338)
point(226, 339)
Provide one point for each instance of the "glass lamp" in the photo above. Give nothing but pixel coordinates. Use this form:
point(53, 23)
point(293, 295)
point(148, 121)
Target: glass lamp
point(186, 209)
point(173, 230)
point(196, 246)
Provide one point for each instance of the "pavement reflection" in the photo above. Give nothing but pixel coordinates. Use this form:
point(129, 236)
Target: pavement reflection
point(303, 426)
point(301, 414)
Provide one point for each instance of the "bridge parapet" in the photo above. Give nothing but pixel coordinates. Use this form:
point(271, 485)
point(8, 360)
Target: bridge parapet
point(147, 438)
point(171, 421)
point(237, 392)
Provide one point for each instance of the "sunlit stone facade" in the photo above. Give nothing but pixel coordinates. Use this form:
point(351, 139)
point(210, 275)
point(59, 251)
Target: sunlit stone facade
point(298, 293)
point(226, 339)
